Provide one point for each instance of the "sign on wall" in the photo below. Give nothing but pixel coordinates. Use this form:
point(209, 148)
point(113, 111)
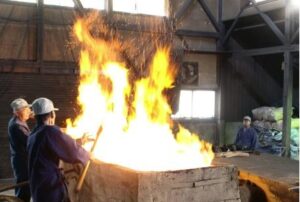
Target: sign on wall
point(189, 74)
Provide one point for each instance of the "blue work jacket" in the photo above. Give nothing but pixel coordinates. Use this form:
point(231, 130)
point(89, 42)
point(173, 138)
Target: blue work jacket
point(246, 138)
point(46, 146)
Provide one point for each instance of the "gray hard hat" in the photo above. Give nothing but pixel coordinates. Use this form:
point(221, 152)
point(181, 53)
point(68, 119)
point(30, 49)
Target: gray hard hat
point(18, 104)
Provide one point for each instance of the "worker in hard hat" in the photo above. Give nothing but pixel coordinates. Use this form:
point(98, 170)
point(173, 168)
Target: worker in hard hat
point(18, 132)
point(47, 144)
point(246, 138)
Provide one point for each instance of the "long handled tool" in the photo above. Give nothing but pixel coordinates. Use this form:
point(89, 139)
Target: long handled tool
point(24, 183)
point(84, 172)
point(21, 184)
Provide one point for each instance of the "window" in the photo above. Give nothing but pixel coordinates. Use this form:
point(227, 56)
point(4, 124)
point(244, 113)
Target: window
point(149, 7)
point(96, 4)
point(67, 3)
point(196, 104)
point(28, 1)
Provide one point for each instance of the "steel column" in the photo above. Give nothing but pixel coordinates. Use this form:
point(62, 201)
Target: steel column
point(295, 35)
point(287, 82)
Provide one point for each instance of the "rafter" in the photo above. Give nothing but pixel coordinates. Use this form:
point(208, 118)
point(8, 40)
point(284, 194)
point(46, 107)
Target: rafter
point(210, 15)
point(270, 23)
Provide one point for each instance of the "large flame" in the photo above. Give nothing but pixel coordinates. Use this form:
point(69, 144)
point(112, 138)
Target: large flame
point(135, 116)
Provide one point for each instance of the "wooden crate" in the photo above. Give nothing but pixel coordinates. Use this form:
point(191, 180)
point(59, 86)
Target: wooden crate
point(111, 183)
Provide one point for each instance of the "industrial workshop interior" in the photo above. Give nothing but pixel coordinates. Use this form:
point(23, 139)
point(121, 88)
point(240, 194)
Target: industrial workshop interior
point(149, 100)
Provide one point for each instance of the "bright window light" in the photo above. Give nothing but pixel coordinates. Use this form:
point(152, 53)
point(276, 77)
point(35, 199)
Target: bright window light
point(196, 104)
point(96, 4)
point(128, 6)
point(28, 1)
point(67, 3)
point(296, 3)
point(185, 104)
point(149, 7)
point(257, 1)
point(153, 7)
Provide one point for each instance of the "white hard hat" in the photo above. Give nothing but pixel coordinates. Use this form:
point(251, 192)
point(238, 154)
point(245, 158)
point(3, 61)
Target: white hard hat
point(18, 104)
point(247, 118)
point(43, 106)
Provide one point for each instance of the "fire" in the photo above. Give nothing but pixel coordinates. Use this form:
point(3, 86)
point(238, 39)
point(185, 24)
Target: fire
point(135, 115)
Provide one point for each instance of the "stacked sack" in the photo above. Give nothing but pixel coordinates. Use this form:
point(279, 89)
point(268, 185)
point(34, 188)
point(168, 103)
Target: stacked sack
point(270, 118)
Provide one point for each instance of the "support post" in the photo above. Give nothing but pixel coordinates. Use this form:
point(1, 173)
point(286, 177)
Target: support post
point(288, 83)
point(79, 7)
point(220, 123)
point(109, 6)
point(295, 35)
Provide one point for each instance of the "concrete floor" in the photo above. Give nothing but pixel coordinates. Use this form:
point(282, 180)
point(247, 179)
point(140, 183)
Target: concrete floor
point(266, 177)
point(268, 166)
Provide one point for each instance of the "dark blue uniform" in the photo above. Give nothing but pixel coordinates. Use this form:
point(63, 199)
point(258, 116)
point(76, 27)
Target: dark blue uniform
point(18, 133)
point(46, 145)
point(246, 138)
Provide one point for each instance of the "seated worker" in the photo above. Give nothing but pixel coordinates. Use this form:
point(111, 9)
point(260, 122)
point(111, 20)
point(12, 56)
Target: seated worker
point(47, 144)
point(18, 133)
point(246, 137)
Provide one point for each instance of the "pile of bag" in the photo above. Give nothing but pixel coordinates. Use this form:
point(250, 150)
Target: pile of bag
point(268, 121)
point(268, 113)
point(294, 148)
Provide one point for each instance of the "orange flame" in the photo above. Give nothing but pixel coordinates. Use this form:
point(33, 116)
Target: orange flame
point(137, 135)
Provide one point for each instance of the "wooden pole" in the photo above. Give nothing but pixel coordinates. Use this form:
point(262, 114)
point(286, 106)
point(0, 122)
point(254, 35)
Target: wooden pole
point(84, 172)
point(21, 184)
